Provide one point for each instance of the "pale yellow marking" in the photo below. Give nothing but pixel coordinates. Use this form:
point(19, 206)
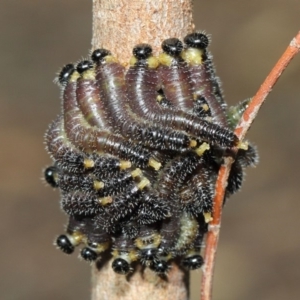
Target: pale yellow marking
point(156, 239)
point(98, 185)
point(208, 119)
point(110, 59)
point(132, 255)
point(115, 253)
point(88, 163)
point(74, 76)
point(125, 164)
point(200, 150)
point(243, 145)
point(133, 60)
point(105, 200)
point(193, 143)
point(192, 56)
point(144, 182)
point(137, 172)
point(139, 243)
point(89, 74)
point(159, 98)
point(153, 62)
point(77, 237)
point(207, 217)
point(205, 107)
point(154, 164)
point(165, 59)
point(125, 64)
point(150, 240)
point(102, 247)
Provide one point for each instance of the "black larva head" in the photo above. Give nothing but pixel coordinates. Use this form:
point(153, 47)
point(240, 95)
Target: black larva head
point(66, 73)
point(50, 175)
point(172, 46)
point(84, 65)
point(64, 244)
point(159, 266)
point(142, 51)
point(121, 266)
point(88, 254)
point(98, 55)
point(193, 262)
point(197, 40)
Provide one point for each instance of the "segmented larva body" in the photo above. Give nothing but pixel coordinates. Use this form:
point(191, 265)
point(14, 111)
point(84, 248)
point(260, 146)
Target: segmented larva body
point(235, 178)
point(152, 208)
point(123, 204)
point(192, 259)
point(249, 157)
point(97, 241)
point(129, 228)
point(169, 231)
point(147, 242)
point(91, 139)
point(66, 156)
point(136, 154)
point(74, 235)
point(188, 233)
point(202, 76)
point(79, 203)
point(70, 182)
point(124, 254)
point(197, 195)
point(111, 80)
point(117, 182)
point(71, 160)
point(88, 98)
point(143, 80)
point(175, 173)
point(173, 73)
point(174, 244)
point(142, 83)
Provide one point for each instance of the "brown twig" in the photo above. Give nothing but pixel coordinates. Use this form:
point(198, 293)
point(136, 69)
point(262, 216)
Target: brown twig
point(241, 130)
point(118, 25)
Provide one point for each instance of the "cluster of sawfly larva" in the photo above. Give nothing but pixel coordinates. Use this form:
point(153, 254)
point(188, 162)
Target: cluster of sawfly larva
point(136, 154)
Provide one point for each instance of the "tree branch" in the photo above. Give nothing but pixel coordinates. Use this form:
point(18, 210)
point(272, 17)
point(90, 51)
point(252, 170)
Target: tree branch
point(241, 130)
point(118, 25)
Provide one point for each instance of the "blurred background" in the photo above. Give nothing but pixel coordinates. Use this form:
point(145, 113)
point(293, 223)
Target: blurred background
point(258, 255)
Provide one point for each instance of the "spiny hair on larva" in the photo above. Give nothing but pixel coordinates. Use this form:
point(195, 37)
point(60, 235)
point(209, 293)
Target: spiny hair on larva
point(136, 152)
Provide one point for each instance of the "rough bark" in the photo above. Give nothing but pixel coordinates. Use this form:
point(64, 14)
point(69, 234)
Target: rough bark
point(143, 284)
point(118, 25)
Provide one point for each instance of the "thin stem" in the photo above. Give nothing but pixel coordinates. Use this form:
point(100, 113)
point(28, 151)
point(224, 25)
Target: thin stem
point(241, 130)
point(256, 102)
